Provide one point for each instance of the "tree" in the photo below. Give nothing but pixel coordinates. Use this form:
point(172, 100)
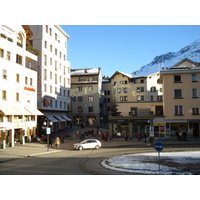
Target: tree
point(113, 109)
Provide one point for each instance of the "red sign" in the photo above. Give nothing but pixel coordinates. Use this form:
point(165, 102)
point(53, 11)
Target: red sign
point(29, 89)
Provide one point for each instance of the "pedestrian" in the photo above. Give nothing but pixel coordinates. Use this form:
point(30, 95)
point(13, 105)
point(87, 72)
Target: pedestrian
point(184, 136)
point(139, 135)
point(57, 142)
point(126, 136)
point(50, 142)
point(145, 137)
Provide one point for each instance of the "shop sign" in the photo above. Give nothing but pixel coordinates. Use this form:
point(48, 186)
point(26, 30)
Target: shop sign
point(2, 128)
point(29, 89)
point(140, 121)
point(119, 120)
point(158, 124)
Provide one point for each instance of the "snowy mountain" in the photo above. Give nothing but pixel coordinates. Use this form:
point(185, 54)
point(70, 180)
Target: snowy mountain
point(167, 60)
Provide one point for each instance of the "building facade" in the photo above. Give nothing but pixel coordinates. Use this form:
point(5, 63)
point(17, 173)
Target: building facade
point(139, 104)
point(85, 94)
point(181, 98)
point(53, 75)
point(18, 84)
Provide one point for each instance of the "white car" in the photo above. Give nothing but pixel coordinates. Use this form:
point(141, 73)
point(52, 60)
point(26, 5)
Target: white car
point(87, 144)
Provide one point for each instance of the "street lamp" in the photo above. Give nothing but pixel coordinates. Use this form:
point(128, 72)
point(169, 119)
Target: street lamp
point(48, 123)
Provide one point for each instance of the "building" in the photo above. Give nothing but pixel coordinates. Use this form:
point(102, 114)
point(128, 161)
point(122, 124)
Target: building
point(53, 76)
point(181, 103)
point(85, 94)
point(18, 85)
point(137, 100)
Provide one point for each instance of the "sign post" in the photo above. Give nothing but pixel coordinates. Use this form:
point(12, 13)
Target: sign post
point(48, 131)
point(158, 147)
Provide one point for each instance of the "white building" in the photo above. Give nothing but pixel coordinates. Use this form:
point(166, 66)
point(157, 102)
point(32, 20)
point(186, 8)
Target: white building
point(18, 85)
point(53, 75)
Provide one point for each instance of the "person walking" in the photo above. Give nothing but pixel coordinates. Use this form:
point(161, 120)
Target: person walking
point(57, 142)
point(50, 142)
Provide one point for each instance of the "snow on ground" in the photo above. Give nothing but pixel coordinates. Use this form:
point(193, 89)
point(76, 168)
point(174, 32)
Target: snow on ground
point(147, 163)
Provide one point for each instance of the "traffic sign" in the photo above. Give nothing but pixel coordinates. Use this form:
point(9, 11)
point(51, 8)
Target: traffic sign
point(48, 130)
point(158, 146)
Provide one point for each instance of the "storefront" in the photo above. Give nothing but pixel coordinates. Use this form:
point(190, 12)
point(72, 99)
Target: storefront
point(140, 125)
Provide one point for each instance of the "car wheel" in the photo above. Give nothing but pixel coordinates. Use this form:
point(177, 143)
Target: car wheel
point(97, 147)
point(80, 148)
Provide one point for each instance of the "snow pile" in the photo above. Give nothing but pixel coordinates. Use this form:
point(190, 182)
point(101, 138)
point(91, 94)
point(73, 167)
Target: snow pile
point(147, 163)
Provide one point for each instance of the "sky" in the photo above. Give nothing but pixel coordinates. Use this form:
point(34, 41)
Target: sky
point(124, 48)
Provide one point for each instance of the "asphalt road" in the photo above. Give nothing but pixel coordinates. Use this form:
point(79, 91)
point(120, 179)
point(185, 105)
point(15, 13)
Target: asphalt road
point(72, 162)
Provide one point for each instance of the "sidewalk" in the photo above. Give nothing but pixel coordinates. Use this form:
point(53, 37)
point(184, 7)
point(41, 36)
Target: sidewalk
point(38, 148)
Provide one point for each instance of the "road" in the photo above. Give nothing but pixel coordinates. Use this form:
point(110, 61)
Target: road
point(72, 162)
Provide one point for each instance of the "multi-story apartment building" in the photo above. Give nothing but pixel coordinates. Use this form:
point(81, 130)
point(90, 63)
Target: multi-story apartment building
point(181, 98)
point(85, 94)
point(53, 75)
point(139, 103)
point(18, 85)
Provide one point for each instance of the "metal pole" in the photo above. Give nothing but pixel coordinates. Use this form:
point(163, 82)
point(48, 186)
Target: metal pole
point(47, 142)
point(159, 160)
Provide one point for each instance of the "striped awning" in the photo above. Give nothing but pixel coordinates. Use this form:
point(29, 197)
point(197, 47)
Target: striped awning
point(9, 110)
point(65, 117)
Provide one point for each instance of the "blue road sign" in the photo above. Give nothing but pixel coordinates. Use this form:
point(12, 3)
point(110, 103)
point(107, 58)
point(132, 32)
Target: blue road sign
point(158, 146)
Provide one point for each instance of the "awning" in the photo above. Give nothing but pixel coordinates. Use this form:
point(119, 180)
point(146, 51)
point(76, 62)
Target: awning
point(9, 110)
point(22, 110)
point(34, 111)
point(59, 118)
point(65, 117)
point(51, 118)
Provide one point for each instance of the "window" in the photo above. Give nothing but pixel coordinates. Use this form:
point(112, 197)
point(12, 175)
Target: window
point(31, 81)
point(125, 90)
point(50, 75)
point(1, 53)
point(90, 88)
point(45, 74)
point(47, 29)
point(118, 90)
point(123, 98)
point(177, 79)
point(56, 65)
point(45, 60)
point(26, 80)
point(178, 110)
point(45, 87)
point(56, 36)
point(90, 99)
point(19, 59)
point(45, 44)
point(195, 111)
point(8, 55)
point(194, 93)
point(17, 96)
point(178, 94)
point(55, 51)
point(50, 32)
point(151, 97)
point(153, 89)
point(194, 78)
point(140, 89)
point(90, 109)
point(133, 112)
point(4, 74)
point(51, 48)
point(123, 82)
point(80, 108)
point(56, 104)
point(80, 98)
point(50, 89)
point(80, 89)
point(55, 78)
point(17, 78)
point(159, 98)
point(140, 98)
point(50, 61)
point(3, 95)
point(60, 104)
point(60, 54)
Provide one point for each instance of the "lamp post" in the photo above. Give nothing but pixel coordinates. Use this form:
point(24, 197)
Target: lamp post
point(48, 123)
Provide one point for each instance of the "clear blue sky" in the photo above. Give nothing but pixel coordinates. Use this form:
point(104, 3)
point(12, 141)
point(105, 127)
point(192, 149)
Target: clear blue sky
point(124, 48)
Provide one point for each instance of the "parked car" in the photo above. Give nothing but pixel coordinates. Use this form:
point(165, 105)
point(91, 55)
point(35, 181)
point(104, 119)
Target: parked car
point(87, 144)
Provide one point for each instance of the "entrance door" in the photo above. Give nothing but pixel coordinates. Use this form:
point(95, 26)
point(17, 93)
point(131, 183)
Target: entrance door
point(195, 129)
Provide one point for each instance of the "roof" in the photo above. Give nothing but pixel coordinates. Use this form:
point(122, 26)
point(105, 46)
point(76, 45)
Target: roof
point(87, 71)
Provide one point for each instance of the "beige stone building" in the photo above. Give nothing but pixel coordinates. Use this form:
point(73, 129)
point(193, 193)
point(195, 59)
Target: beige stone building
point(181, 103)
point(139, 101)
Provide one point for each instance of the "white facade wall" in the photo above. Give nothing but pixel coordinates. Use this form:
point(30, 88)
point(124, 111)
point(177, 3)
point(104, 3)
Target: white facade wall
point(51, 41)
point(21, 92)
